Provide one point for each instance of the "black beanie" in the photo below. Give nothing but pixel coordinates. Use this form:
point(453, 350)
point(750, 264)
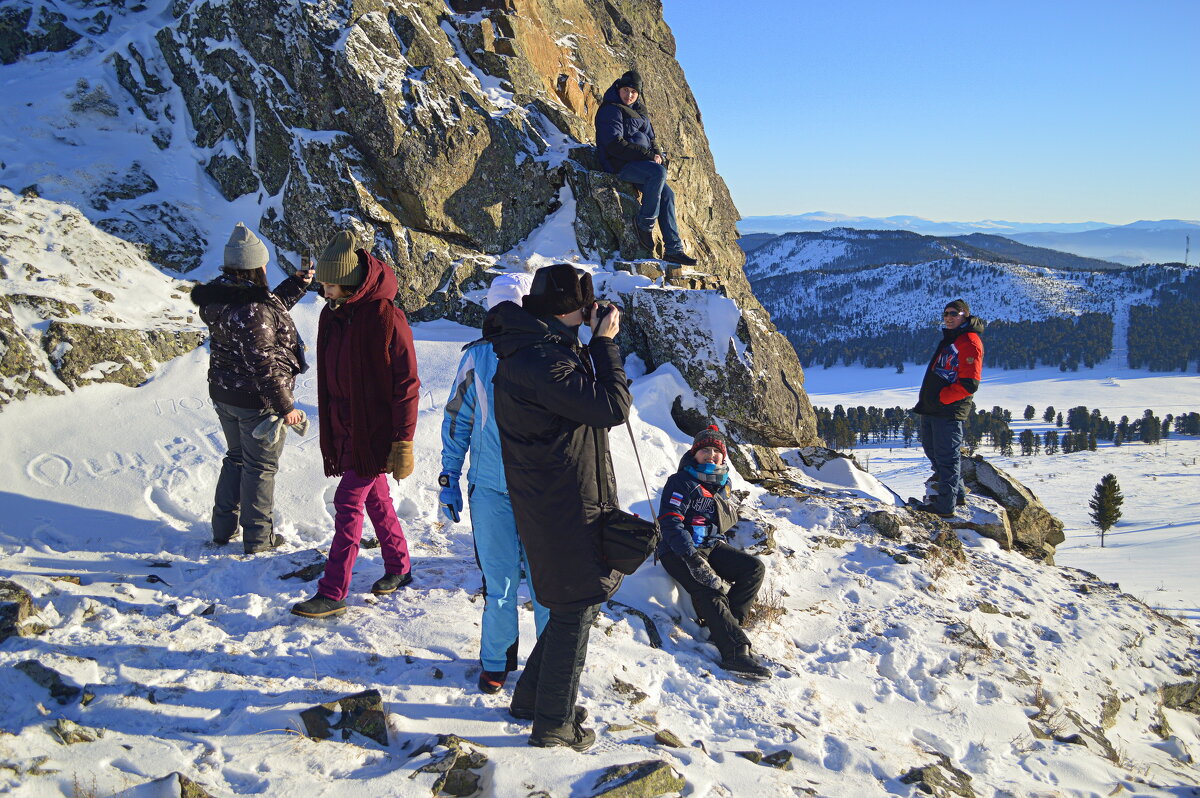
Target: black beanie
point(558, 289)
point(960, 304)
point(632, 80)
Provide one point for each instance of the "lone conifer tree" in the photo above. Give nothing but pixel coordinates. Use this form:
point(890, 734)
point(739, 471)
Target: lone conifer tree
point(1106, 504)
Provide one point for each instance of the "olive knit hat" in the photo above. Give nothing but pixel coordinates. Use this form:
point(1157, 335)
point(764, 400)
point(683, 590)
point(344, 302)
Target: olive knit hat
point(339, 264)
point(961, 305)
point(557, 290)
point(244, 250)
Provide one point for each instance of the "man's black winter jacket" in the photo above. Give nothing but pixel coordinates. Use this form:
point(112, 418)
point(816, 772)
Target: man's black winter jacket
point(554, 402)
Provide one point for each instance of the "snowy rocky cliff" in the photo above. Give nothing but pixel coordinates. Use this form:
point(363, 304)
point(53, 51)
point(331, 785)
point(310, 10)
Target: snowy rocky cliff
point(448, 135)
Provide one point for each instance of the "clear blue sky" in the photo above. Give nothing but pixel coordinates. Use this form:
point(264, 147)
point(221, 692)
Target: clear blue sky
point(1048, 111)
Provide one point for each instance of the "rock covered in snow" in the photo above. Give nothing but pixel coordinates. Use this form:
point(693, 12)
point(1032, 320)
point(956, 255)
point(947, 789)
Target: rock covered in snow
point(79, 306)
point(1035, 532)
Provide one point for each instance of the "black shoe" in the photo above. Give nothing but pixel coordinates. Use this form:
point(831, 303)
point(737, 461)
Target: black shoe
point(526, 713)
point(926, 507)
point(319, 607)
point(679, 257)
point(492, 682)
point(390, 583)
point(961, 503)
point(216, 541)
point(569, 735)
point(645, 236)
point(742, 663)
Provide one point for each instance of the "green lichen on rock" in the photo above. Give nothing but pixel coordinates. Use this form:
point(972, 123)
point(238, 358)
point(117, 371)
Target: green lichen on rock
point(86, 353)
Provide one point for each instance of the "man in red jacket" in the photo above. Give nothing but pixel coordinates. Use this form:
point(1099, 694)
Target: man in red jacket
point(950, 381)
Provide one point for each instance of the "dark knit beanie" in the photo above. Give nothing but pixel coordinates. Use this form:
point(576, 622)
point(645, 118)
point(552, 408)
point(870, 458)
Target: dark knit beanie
point(960, 304)
point(558, 289)
point(710, 436)
point(632, 80)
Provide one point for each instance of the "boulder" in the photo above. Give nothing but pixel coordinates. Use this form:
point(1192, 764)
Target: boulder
point(50, 679)
point(647, 779)
point(361, 712)
point(940, 779)
point(1035, 532)
point(988, 519)
point(1184, 696)
point(85, 353)
point(18, 37)
point(69, 732)
point(16, 611)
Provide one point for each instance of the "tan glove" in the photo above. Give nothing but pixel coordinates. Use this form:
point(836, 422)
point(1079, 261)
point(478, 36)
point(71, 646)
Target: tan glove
point(400, 459)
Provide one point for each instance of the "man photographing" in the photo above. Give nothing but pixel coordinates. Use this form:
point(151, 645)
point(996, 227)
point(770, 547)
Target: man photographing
point(555, 401)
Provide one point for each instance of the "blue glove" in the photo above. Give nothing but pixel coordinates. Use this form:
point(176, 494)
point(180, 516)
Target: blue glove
point(450, 502)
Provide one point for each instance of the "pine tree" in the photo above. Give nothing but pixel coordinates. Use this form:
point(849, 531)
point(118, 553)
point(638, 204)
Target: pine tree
point(1029, 412)
point(1106, 504)
point(1048, 416)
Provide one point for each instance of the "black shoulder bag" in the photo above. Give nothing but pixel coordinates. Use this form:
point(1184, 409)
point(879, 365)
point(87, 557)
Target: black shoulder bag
point(628, 540)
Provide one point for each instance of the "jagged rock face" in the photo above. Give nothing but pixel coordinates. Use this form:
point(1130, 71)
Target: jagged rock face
point(1035, 532)
point(443, 134)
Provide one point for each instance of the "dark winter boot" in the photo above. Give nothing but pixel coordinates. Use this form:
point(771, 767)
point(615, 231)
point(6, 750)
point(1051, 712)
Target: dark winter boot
point(390, 583)
point(742, 663)
point(926, 507)
point(645, 237)
point(492, 681)
point(319, 607)
point(679, 257)
point(569, 735)
point(526, 713)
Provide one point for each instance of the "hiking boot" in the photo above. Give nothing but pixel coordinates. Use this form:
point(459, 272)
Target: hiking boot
point(276, 542)
point(390, 583)
point(961, 502)
point(680, 257)
point(526, 713)
point(319, 607)
point(742, 663)
point(216, 541)
point(492, 682)
point(927, 507)
point(645, 237)
point(569, 735)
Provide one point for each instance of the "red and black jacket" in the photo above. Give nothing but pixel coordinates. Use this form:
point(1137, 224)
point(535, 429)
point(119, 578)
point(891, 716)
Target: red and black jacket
point(954, 372)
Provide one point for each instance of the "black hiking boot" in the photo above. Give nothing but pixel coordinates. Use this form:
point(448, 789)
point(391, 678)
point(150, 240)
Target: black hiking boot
point(390, 583)
point(492, 682)
point(275, 542)
point(319, 607)
point(742, 663)
point(645, 237)
point(526, 713)
point(682, 258)
point(569, 735)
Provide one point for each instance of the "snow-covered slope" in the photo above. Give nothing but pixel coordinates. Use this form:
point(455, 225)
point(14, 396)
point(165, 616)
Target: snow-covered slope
point(888, 654)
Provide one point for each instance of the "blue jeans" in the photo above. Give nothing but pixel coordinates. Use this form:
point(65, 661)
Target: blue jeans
point(658, 200)
point(501, 558)
point(941, 438)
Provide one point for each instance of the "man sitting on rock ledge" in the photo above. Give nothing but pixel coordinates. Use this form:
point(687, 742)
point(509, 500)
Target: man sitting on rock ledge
point(625, 141)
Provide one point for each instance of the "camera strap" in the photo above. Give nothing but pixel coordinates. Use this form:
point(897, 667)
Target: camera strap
point(642, 473)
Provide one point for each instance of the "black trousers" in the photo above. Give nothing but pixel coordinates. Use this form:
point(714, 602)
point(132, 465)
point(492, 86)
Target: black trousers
point(723, 614)
point(550, 681)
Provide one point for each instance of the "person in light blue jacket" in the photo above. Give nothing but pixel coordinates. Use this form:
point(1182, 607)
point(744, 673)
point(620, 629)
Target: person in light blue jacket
point(469, 425)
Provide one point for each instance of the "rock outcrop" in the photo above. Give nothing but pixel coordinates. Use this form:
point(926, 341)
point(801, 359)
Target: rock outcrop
point(445, 135)
point(91, 309)
point(1035, 532)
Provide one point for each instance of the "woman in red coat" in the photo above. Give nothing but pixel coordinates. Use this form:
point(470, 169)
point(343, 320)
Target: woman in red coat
point(367, 393)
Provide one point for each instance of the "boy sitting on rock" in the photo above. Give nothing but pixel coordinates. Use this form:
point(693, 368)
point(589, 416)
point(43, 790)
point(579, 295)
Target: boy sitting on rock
point(695, 513)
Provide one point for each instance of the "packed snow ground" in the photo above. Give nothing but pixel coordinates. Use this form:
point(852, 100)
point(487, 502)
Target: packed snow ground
point(1154, 550)
point(872, 674)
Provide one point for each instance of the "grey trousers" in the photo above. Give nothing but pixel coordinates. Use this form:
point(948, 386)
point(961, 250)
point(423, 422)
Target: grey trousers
point(246, 487)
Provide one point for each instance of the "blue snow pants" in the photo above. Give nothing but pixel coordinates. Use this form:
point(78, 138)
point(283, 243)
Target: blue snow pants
point(942, 438)
point(501, 559)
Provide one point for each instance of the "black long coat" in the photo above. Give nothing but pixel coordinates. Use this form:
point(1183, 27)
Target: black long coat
point(554, 402)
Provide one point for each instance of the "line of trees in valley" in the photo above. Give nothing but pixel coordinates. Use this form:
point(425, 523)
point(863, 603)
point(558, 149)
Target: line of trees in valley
point(1164, 335)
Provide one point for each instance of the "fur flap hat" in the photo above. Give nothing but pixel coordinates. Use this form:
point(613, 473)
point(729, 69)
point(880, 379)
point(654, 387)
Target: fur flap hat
point(557, 290)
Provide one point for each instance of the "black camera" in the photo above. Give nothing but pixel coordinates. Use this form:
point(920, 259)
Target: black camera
point(603, 308)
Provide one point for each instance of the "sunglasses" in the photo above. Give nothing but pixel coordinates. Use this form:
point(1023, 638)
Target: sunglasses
point(951, 314)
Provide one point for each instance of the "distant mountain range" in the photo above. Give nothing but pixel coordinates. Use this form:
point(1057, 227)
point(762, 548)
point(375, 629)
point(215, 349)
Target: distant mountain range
point(1163, 241)
point(874, 297)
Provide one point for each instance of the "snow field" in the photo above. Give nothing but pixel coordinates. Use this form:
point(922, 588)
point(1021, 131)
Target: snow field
point(872, 674)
